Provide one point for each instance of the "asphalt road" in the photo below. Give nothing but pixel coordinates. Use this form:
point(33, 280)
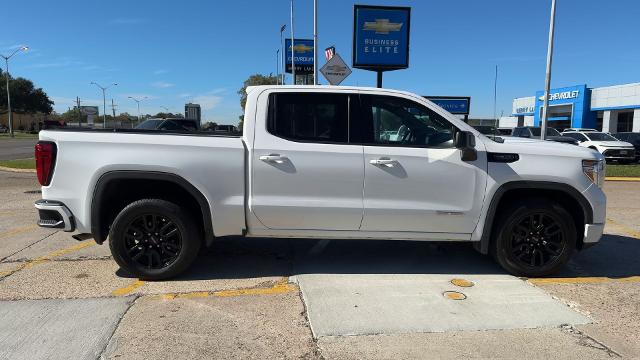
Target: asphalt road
point(279, 298)
point(11, 149)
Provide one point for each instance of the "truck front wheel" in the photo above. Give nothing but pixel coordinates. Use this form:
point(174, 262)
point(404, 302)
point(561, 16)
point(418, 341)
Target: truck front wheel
point(534, 237)
point(154, 239)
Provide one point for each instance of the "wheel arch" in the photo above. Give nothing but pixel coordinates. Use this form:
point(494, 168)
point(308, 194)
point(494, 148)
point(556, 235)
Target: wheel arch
point(106, 202)
point(567, 195)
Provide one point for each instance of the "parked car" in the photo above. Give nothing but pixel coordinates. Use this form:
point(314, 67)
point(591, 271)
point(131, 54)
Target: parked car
point(316, 162)
point(612, 148)
point(3, 129)
point(535, 133)
point(578, 129)
point(505, 131)
point(176, 124)
point(631, 137)
point(488, 131)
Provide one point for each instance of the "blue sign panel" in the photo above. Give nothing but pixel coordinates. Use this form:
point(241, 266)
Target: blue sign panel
point(459, 105)
point(577, 97)
point(381, 37)
point(303, 51)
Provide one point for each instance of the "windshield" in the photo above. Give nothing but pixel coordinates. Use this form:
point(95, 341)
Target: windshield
point(149, 124)
point(550, 132)
point(598, 136)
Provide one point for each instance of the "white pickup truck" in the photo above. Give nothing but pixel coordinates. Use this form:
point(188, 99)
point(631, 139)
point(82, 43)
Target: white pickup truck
point(322, 162)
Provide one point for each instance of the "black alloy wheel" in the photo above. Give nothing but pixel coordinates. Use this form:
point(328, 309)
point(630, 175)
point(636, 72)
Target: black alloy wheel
point(537, 240)
point(534, 237)
point(154, 239)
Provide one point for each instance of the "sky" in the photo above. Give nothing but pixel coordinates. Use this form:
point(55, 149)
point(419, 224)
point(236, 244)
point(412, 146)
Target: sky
point(175, 52)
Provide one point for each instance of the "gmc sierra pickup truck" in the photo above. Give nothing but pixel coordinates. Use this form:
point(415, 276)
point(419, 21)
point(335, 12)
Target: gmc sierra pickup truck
point(322, 162)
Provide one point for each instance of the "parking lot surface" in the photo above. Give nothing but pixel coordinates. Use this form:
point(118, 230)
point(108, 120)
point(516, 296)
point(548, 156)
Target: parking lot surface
point(281, 298)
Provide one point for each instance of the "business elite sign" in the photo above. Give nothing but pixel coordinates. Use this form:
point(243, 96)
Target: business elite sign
point(302, 49)
point(381, 37)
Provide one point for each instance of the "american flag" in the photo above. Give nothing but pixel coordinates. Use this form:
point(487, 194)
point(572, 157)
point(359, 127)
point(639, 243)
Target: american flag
point(329, 52)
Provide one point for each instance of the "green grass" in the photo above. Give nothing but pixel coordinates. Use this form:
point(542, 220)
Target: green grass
point(623, 170)
point(19, 164)
point(18, 135)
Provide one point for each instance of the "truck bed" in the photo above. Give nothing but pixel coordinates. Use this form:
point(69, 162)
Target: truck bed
point(214, 164)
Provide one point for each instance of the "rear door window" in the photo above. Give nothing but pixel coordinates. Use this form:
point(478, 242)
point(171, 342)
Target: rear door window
point(309, 117)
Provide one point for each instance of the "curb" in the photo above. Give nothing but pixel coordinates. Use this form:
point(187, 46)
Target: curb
point(620, 178)
point(3, 168)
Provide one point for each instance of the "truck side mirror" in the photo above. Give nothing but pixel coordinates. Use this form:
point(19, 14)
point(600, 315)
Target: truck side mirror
point(466, 142)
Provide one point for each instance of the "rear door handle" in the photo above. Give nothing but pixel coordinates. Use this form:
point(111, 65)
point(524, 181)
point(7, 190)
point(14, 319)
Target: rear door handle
point(276, 158)
point(382, 162)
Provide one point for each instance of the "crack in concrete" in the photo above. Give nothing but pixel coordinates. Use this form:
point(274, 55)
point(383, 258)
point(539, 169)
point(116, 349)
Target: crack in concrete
point(588, 341)
point(30, 245)
point(106, 347)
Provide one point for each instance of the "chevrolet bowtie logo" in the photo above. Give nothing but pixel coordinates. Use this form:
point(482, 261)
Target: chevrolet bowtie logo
point(382, 26)
point(301, 48)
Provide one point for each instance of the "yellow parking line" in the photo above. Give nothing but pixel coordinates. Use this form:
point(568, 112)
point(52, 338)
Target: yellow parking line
point(18, 231)
point(620, 178)
point(630, 231)
point(281, 287)
point(582, 280)
point(46, 258)
point(128, 289)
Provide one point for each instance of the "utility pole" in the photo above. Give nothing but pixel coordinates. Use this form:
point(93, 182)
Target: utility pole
point(315, 42)
point(547, 81)
point(293, 56)
point(78, 111)
point(113, 108)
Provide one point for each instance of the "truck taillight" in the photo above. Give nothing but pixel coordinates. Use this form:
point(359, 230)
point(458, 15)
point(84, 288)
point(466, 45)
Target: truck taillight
point(45, 161)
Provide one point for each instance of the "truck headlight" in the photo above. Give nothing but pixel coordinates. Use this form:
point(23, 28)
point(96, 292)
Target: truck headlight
point(594, 169)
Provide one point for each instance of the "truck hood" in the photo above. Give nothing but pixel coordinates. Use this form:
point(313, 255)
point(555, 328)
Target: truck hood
point(613, 144)
point(540, 147)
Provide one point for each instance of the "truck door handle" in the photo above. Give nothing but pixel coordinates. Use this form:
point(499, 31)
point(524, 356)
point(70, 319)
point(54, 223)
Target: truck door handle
point(276, 158)
point(382, 161)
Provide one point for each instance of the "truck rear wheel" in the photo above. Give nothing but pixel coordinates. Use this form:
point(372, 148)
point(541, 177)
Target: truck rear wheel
point(154, 239)
point(534, 238)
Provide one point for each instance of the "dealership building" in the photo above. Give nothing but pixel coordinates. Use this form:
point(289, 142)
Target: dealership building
point(610, 109)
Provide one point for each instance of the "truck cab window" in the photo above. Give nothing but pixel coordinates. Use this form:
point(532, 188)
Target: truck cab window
point(401, 122)
point(314, 117)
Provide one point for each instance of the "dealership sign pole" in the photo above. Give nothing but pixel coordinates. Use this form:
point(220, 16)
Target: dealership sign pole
point(381, 38)
point(547, 81)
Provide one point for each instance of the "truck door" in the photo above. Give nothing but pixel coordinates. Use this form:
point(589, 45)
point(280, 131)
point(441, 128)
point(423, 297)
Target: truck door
point(415, 179)
point(306, 175)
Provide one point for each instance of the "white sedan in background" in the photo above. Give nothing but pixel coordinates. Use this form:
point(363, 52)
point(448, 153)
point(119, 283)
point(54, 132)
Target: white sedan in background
point(607, 145)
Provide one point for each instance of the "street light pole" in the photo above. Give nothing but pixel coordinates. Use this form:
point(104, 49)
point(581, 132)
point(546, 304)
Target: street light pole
point(293, 56)
point(6, 62)
point(138, 103)
point(284, 54)
point(278, 66)
point(547, 81)
point(315, 42)
point(104, 101)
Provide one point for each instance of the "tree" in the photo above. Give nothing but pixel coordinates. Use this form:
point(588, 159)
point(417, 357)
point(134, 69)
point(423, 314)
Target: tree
point(163, 115)
point(25, 97)
point(253, 80)
point(209, 126)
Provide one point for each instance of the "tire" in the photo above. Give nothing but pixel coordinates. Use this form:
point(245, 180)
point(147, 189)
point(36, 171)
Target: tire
point(169, 246)
point(524, 248)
